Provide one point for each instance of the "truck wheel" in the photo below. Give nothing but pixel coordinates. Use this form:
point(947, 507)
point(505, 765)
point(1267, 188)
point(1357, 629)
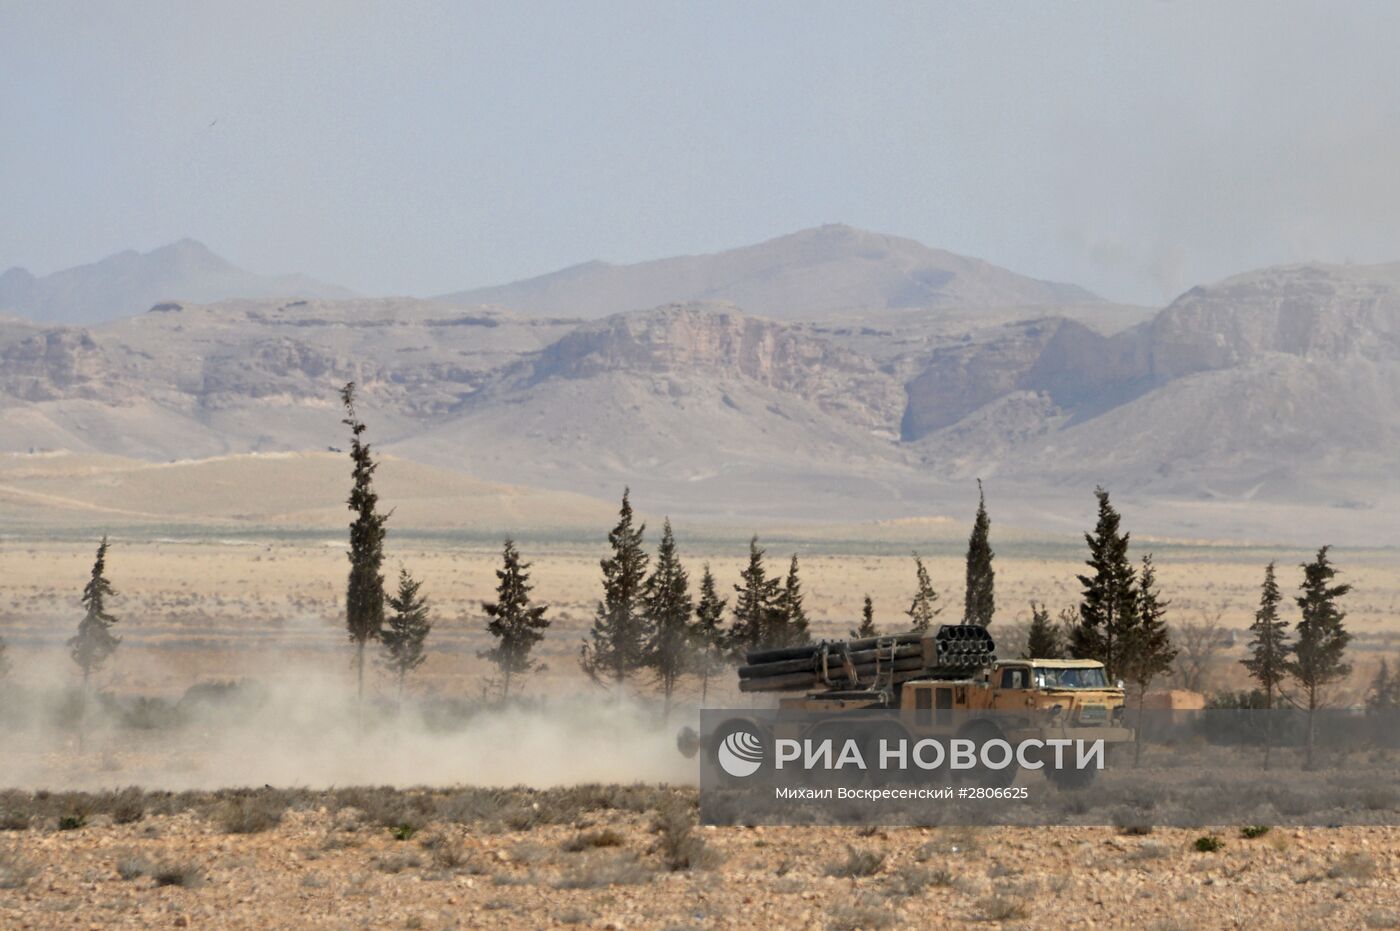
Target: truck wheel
point(739, 750)
point(980, 732)
point(1070, 779)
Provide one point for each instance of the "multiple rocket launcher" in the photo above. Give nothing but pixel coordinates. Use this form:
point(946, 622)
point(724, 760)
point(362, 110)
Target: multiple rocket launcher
point(954, 651)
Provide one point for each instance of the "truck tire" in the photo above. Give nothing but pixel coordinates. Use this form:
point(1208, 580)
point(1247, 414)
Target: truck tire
point(985, 777)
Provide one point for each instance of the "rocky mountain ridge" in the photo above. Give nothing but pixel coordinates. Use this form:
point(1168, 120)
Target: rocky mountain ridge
point(1278, 385)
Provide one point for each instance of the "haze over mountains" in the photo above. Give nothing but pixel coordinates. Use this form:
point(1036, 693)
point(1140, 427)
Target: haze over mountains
point(869, 399)
point(807, 275)
point(130, 282)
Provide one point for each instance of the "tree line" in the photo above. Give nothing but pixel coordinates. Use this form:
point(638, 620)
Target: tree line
point(648, 625)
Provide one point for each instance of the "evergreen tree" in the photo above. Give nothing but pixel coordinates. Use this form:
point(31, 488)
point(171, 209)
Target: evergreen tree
point(707, 635)
point(1110, 598)
point(516, 624)
point(790, 618)
point(364, 592)
point(666, 602)
point(95, 643)
point(754, 607)
point(1268, 651)
point(867, 626)
point(617, 644)
point(1384, 693)
point(1043, 638)
point(407, 628)
point(921, 610)
point(980, 601)
point(1147, 645)
point(1319, 649)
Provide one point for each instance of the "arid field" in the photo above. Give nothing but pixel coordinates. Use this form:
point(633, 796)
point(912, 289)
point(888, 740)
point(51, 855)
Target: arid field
point(221, 608)
point(631, 857)
point(599, 830)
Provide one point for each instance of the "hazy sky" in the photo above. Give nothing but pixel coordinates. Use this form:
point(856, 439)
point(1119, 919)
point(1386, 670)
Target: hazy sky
point(417, 147)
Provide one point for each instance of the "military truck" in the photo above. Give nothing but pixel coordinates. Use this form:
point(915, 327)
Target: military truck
point(948, 684)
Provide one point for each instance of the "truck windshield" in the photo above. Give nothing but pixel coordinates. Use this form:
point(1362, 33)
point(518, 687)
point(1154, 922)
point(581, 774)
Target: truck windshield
point(1088, 678)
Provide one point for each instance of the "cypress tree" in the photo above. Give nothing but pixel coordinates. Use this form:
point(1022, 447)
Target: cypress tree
point(980, 601)
point(1268, 651)
point(707, 635)
point(921, 610)
point(753, 627)
point(1043, 639)
point(1110, 599)
point(790, 619)
point(408, 626)
point(516, 624)
point(617, 644)
point(666, 601)
point(1147, 646)
point(867, 626)
point(1384, 693)
point(95, 643)
point(364, 591)
point(1319, 650)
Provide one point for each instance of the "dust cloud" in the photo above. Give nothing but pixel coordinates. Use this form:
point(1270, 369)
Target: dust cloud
point(301, 728)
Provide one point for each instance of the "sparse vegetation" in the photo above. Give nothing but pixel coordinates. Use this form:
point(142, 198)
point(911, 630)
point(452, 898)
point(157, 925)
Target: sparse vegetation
point(680, 847)
point(604, 869)
point(588, 840)
point(1002, 908)
point(1252, 831)
point(1208, 843)
point(250, 814)
point(15, 870)
point(859, 862)
point(184, 875)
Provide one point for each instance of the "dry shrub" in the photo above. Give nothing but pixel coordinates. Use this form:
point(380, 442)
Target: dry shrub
point(250, 814)
point(864, 914)
point(15, 871)
point(858, 862)
point(184, 875)
point(397, 862)
point(586, 840)
point(680, 847)
point(1354, 866)
point(1002, 908)
point(599, 870)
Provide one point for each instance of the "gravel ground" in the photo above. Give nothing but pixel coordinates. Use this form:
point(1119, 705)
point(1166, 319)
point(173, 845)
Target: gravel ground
point(615, 857)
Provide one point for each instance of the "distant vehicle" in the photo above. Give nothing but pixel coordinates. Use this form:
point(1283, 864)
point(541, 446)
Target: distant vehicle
point(948, 684)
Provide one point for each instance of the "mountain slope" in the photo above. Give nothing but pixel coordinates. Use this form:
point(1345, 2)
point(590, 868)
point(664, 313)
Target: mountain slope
point(806, 275)
point(131, 282)
point(1278, 386)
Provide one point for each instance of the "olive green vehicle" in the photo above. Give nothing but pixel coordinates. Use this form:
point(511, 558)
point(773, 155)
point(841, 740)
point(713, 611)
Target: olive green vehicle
point(945, 685)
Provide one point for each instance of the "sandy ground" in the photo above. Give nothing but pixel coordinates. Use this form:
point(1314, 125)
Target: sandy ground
point(334, 867)
point(219, 608)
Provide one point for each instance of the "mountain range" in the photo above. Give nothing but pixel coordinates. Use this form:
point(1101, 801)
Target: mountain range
point(130, 282)
point(1259, 405)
